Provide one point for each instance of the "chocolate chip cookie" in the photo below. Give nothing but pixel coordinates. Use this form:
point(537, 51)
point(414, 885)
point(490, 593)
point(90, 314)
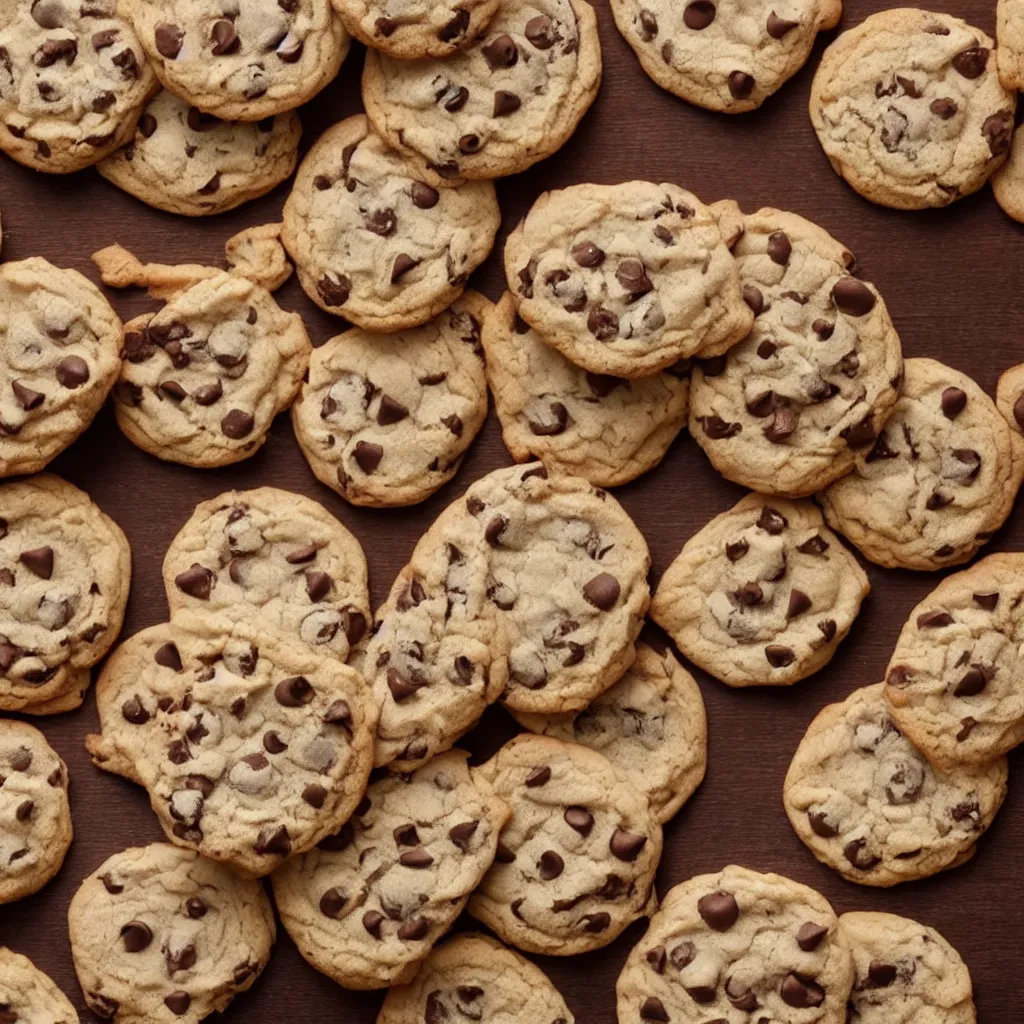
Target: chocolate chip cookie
point(368, 904)
point(252, 748)
point(1008, 181)
point(867, 804)
point(162, 934)
point(1010, 397)
point(65, 571)
point(1010, 51)
point(385, 419)
point(909, 108)
point(408, 29)
point(26, 994)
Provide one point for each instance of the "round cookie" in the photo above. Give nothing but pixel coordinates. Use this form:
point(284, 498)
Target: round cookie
point(1010, 35)
point(372, 241)
point(607, 430)
point(160, 934)
point(409, 29)
point(276, 557)
point(909, 108)
point(905, 973)
point(650, 725)
point(26, 994)
point(738, 943)
point(1008, 181)
point(939, 480)
point(187, 162)
point(576, 862)
point(241, 61)
point(368, 904)
point(385, 419)
point(867, 803)
point(510, 98)
point(1010, 397)
point(626, 279)
point(35, 818)
point(251, 748)
point(65, 572)
point(762, 595)
point(783, 411)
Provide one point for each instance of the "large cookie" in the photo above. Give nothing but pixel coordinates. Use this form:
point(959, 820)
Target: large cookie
point(868, 804)
point(251, 748)
point(408, 29)
point(26, 994)
point(368, 904)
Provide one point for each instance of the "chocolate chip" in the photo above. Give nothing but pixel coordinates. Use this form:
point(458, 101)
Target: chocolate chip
point(372, 920)
point(168, 40)
point(272, 742)
point(857, 853)
point(290, 48)
point(550, 865)
point(859, 434)
point(973, 681)
point(455, 27)
point(626, 845)
point(48, 13)
point(224, 37)
point(318, 585)
point(275, 841)
point(783, 424)
point(454, 424)
point(580, 819)
point(333, 902)
point(735, 550)
point(648, 25)
point(853, 297)
point(196, 581)
point(72, 372)
point(367, 455)
point(596, 923)
point(809, 936)
point(538, 777)
point(943, 108)
point(881, 974)
point(540, 32)
point(653, 1008)
point(294, 692)
point(719, 910)
point(717, 429)
point(698, 14)
point(741, 85)
point(167, 654)
point(456, 102)
point(986, 601)
point(967, 726)
point(934, 620)
point(971, 63)
point(401, 687)
point(603, 324)
point(38, 561)
point(414, 930)
point(423, 196)
point(632, 275)
point(799, 603)
point(801, 991)
point(402, 265)
point(195, 908)
point(556, 425)
point(772, 521)
point(136, 936)
point(586, 254)
point(237, 424)
point(390, 411)
point(494, 530)
point(779, 656)
point(173, 390)
point(462, 833)
point(506, 103)
point(334, 289)
point(998, 132)
point(134, 711)
point(602, 591)
point(777, 27)
point(500, 52)
point(754, 299)
point(178, 1002)
point(749, 595)
point(27, 398)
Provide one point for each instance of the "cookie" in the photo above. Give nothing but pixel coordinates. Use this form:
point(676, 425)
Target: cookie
point(73, 81)
point(906, 973)
point(909, 108)
point(372, 241)
point(608, 430)
point(251, 748)
point(276, 558)
point(26, 994)
point(939, 480)
point(471, 976)
point(868, 804)
point(65, 571)
point(738, 943)
point(955, 683)
point(626, 279)
point(241, 61)
point(577, 859)
point(386, 419)
point(1010, 35)
point(650, 725)
point(1008, 181)
point(762, 595)
point(510, 98)
point(368, 904)
point(1010, 396)
point(184, 161)
point(162, 934)
point(35, 819)
point(409, 29)
point(723, 56)
point(784, 411)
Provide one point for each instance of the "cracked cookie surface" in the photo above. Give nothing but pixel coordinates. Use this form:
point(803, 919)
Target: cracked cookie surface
point(29, 994)
point(408, 29)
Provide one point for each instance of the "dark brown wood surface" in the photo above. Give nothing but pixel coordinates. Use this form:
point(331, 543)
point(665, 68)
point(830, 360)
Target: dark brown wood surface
point(951, 279)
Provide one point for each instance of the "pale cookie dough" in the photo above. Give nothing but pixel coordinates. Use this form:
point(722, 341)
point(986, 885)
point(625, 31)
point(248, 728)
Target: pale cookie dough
point(27, 995)
point(1008, 181)
point(905, 973)
point(651, 726)
point(938, 482)
point(184, 161)
point(608, 430)
point(368, 905)
point(242, 60)
point(626, 279)
point(783, 411)
point(386, 419)
point(509, 99)
point(909, 108)
point(576, 862)
point(276, 557)
point(65, 571)
point(372, 241)
point(251, 748)
point(868, 804)
point(408, 29)
point(738, 946)
point(35, 818)
point(160, 934)
point(1010, 37)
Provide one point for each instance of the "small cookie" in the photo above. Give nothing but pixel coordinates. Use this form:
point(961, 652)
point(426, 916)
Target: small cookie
point(26, 994)
point(277, 557)
point(35, 819)
point(735, 943)
point(783, 411)
point(762, 595)
point(368, 904)
point(385, 419)
point(650, 725)
point(607, 430)
point(940, 479)
point(372, 241)
point(909, 108)
point(866, 803)
point(1010, 395)
point(409, 29)
point(1010, 36)
point(509, 99)
point(162, 934)
point(576, 861)
point(905, 973)
point(184, 161)
point(65, 571)
point(1008, 181)
point(251, 748)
